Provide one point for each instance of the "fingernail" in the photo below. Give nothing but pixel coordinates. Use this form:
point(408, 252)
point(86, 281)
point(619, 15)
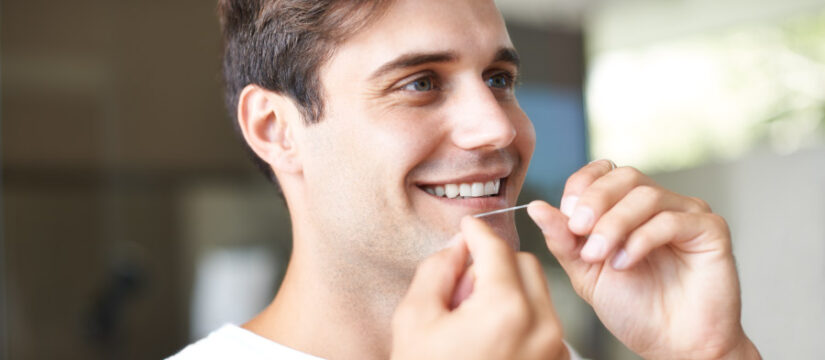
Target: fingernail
point(568, 203)
point(581, 220)
point(620, 260)
point(595, 248)
point(541, 226)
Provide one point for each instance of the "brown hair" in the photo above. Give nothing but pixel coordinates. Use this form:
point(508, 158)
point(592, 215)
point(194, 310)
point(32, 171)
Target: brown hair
point(280, 45)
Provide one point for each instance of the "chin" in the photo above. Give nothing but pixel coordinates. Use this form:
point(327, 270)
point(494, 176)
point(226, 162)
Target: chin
point(505, 227)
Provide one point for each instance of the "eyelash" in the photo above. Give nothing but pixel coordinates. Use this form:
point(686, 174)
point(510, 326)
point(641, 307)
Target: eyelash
point(509, 76)
point(432, 77)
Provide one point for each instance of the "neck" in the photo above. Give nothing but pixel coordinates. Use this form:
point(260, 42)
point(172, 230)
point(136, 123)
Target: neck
point(332, 309)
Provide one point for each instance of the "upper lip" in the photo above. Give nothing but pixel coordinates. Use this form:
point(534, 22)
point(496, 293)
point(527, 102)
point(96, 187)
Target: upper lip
point(469, 178)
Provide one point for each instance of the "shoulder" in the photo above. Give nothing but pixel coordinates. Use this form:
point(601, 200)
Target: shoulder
point(223, 343)
point(234, 342)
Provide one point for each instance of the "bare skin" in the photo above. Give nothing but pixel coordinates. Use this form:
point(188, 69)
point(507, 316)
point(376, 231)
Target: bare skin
point(361, 221)
point(656, 266)
point(508, 316)
point(367, 238)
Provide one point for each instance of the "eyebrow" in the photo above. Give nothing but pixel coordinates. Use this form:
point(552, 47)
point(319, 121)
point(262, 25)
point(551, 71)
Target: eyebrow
point(412, 60)
point(417, 59)
point(509, 55)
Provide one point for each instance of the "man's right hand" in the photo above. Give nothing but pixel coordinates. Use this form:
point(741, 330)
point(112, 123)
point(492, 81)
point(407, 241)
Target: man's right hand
point(509, 314)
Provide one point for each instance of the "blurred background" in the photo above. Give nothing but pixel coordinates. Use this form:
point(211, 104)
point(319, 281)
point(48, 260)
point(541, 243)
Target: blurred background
point(132, 222)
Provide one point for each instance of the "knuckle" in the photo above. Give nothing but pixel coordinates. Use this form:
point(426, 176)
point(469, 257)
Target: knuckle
point(669, 219)
point(719, 223)
point(613, 226)
point(701, 204)
point(651, 194)
point(595, 199)
point(692, 204)
point(638, 243)
point(631, 173)
point(601, 165)
point(577, 182)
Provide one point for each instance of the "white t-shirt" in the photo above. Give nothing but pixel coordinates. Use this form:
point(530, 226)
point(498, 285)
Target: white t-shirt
point(233, 342)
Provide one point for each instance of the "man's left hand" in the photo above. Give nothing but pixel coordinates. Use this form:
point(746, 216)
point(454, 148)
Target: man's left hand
point(656, 266)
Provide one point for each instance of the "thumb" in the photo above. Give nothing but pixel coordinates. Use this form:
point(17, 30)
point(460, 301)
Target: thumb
point(564, 245)
point(553, 224)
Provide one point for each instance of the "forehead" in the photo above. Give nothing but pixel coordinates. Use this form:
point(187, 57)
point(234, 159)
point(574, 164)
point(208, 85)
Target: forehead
point(468, 28)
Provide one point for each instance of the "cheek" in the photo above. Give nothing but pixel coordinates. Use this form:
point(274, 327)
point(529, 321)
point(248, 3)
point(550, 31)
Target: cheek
point(526, 134)
point(407, 136)
point(369, 153)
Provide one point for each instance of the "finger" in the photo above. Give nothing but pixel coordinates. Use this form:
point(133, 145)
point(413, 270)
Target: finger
point(541, 304)
point(639, 206)
point(581, 180)
point(553, 225)
point(602, 194)
point(684, 231)
point(565, 246)
point(434, 281)
point(533, 280)
point(493, 259)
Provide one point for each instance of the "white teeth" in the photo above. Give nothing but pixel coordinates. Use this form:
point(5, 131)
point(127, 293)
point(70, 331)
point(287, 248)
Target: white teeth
point(490, 188)
point(465, 190)
point(476, 189)
point(451, 190)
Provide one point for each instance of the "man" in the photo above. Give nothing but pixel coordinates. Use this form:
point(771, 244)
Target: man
point(387, 123)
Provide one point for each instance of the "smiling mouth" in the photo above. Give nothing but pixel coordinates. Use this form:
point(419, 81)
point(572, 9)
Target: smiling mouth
point(468, 190)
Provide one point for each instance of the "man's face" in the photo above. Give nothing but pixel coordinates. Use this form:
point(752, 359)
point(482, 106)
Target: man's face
point(419, 105)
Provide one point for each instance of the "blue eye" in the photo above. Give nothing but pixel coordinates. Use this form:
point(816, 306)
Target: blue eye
point(500, 81)
point(421, 84)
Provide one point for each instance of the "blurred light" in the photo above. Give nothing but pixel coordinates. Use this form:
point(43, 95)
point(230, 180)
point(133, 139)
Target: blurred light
point(680, 103)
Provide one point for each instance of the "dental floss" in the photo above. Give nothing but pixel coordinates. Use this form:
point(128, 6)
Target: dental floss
point(499, 211)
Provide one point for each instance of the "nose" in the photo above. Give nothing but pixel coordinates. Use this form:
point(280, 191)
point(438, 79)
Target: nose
point(479, 120)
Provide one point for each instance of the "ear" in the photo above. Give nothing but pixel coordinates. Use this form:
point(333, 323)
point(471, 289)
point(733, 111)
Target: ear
point(267, 121)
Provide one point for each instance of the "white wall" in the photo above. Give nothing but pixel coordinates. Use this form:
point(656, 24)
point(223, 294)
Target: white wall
point(619, 24)
point(775, 206)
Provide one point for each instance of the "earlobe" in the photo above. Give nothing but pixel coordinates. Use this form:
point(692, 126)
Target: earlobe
point(286, 157)
point(266, 120)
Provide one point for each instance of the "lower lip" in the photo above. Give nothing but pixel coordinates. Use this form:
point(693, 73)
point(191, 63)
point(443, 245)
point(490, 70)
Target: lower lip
point(478, 203)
